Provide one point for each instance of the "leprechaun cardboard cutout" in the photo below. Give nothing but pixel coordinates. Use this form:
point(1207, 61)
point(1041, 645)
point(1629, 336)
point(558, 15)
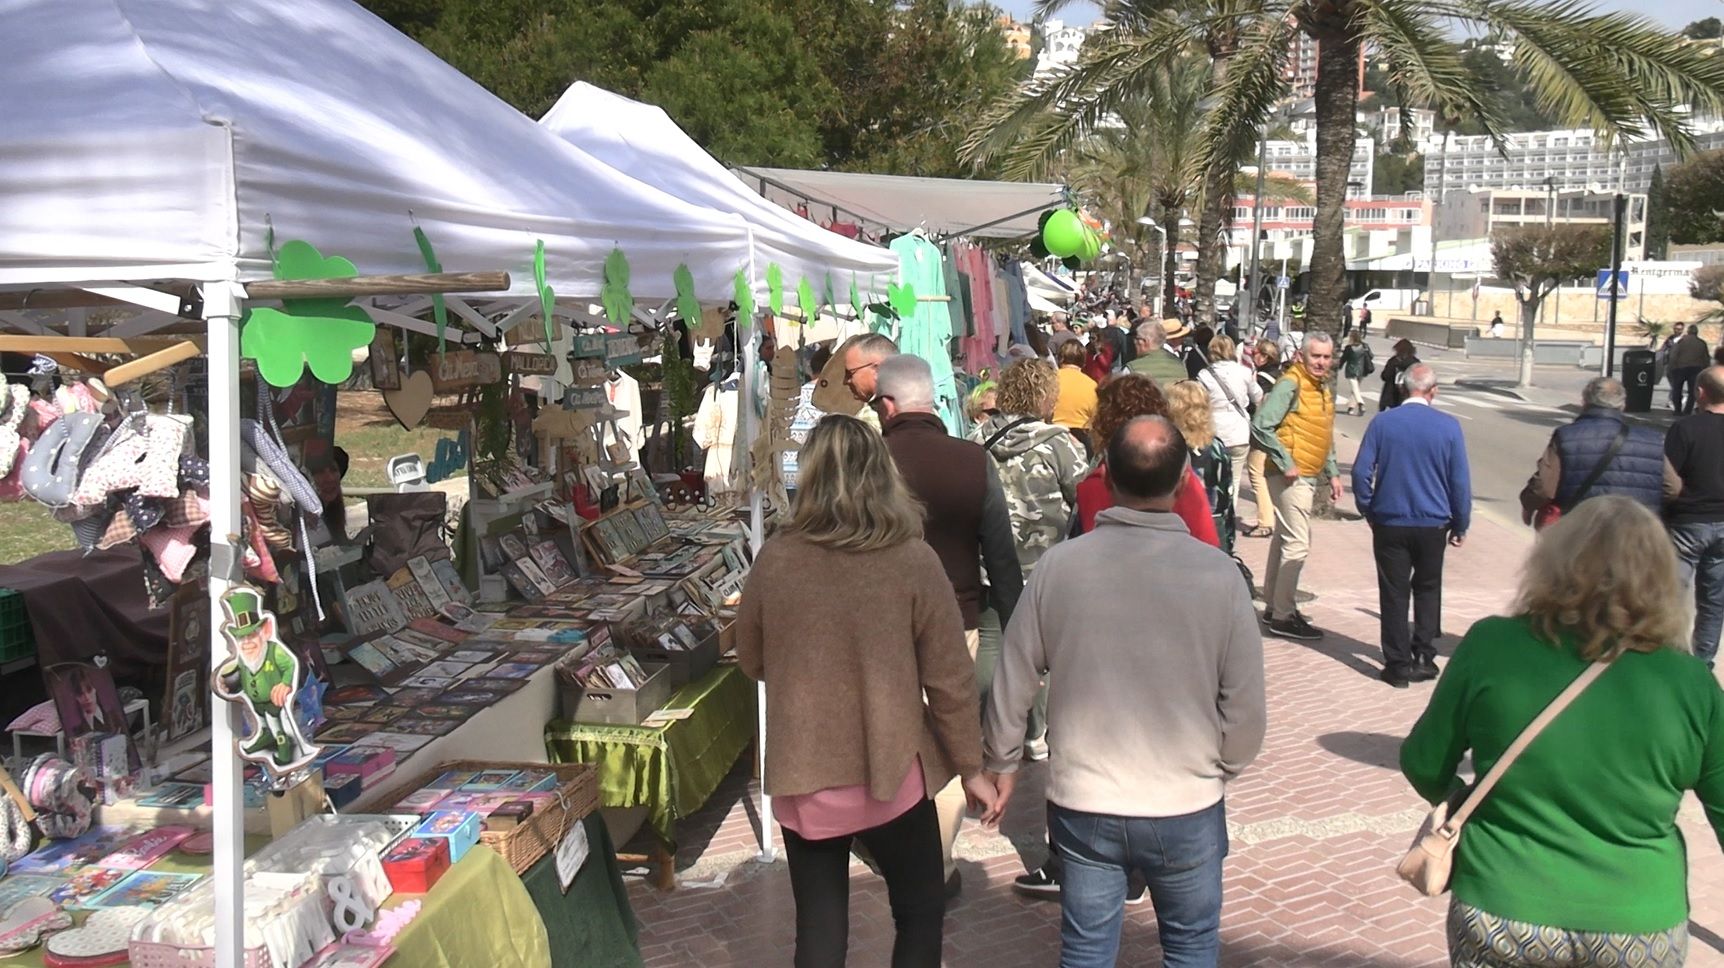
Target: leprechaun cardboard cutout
point(263, 676)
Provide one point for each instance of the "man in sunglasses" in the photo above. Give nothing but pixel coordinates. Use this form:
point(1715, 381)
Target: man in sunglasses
point(862, 357)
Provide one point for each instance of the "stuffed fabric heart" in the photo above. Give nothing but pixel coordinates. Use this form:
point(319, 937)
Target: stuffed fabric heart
point(105, 935)
point(120, 531)
point(17, 404)
point(148, 461)
point(51, 469)
point(259, 563)
point(24, 924)
point(263, 495)
point(172, 548)
point(12, 485)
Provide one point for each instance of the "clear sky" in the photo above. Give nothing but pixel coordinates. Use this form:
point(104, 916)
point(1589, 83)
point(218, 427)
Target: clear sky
point(1673, 13)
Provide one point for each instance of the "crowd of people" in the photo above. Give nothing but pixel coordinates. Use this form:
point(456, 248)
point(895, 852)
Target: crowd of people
point(937, 611)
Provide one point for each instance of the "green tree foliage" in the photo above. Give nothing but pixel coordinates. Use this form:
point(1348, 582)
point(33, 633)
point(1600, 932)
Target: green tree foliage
point(1706, 28)
point(1397, 174)
point(1536, 259)
point(1657, 216)
point(1693, 197)
point(1508, 92)
point(852, 84)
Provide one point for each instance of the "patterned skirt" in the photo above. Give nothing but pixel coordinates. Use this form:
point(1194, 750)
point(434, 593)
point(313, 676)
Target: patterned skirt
point(1478, 939)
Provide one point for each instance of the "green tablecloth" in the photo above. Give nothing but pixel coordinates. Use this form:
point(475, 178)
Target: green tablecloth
point(592, 926)
point(669, 769)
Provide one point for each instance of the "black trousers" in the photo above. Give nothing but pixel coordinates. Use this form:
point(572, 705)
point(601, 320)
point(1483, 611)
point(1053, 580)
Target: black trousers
point(1683, 389)
point(907, 853)
point(1409, 566)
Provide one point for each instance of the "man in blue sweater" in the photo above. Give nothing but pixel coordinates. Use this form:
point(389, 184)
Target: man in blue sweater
point(1411, 483)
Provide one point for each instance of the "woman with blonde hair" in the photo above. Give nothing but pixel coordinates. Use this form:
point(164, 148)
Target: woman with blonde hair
point(1233, 395)
point(1266, 357)
point(1575, 857)
point(872, 709)
point(1188, 406)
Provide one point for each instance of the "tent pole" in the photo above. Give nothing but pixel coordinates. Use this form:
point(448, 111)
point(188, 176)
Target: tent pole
point(222, 308)
point(756, 535)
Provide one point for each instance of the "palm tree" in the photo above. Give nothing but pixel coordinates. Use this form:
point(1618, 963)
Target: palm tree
point(1616, 73)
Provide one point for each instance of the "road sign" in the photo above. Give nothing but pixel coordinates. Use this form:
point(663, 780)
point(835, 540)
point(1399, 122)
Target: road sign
point(1603, 287)
point(1282, 282)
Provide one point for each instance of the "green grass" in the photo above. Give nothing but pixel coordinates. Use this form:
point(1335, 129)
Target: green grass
point(28, 529)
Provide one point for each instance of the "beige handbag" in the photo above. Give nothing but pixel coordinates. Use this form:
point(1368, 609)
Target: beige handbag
point(1429, 863)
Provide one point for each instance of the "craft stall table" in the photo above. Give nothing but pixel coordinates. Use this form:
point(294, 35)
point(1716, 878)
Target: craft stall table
point(671, 769)
point(481, 913)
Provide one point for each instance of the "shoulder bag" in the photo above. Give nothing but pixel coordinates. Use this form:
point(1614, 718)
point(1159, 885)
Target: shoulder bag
point(1552, 512)
point(1430, 862)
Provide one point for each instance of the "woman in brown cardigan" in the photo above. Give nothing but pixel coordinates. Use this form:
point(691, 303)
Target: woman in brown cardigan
point(849, 619)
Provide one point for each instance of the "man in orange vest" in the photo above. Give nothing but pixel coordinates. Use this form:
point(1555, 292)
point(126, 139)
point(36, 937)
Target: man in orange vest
point(1295, 428)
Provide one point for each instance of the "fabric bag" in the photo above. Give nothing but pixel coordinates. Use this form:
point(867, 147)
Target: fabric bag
point(1429, 864)
point(1367, 365)
point(405, 526)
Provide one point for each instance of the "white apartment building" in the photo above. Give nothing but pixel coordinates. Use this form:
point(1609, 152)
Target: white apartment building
point(1573, 158)
point(1298, 160)
point(1060, 46)
point(1475, 214)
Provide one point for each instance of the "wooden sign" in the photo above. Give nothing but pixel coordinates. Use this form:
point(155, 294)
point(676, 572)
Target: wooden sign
point(590, 346)
point(460, 369)
point(587, 372)
point(621, 349)
point(531, 364)
point(385, 360)
point(585, 398)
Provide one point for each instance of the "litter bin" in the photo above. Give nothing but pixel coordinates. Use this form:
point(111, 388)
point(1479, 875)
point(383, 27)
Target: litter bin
point(1639, 376)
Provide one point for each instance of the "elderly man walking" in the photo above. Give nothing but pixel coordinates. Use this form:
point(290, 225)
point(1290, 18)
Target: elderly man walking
point(968, 523)
point(1412, 484)
point(1154, 358)
point(1295, 428)
point(1148, 723)
point(1599, 453)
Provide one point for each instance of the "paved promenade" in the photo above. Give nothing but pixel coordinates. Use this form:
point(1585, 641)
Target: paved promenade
point(1317, 822)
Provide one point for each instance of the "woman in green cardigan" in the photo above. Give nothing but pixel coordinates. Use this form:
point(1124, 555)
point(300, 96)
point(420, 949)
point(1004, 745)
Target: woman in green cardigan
point(1575, 858)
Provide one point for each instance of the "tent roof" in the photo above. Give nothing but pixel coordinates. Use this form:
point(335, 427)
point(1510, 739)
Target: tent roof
point(165, 138)
point(945, 206)
point(642, 140)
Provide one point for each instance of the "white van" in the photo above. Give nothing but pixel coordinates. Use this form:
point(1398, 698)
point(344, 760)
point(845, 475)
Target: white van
point(1389, 300)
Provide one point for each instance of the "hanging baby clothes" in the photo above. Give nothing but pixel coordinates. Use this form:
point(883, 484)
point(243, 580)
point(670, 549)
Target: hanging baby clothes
point(715, 433)
point(928, 331)
point(980, 353)
point(624, 393)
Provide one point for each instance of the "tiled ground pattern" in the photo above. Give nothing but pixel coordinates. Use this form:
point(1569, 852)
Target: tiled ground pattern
point(1318, 821)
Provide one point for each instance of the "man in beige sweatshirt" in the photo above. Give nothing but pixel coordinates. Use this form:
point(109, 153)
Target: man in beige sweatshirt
point(1154, 663)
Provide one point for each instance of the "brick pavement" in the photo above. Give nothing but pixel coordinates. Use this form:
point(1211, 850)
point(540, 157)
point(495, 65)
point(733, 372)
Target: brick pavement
point(1317, 823)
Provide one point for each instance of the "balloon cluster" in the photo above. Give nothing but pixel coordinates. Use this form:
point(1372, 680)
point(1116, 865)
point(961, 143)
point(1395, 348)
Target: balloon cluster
point(1067, 235)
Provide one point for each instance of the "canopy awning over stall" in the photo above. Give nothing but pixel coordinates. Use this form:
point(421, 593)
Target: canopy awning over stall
point(154, 139)
point(942, 206)
point(642, 140)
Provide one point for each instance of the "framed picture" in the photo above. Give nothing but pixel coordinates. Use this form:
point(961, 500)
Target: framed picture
point(185, 706)
point(385, 360)
point(88, 702)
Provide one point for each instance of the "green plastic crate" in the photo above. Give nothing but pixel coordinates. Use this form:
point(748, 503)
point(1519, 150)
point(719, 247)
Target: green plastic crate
point(17, 641)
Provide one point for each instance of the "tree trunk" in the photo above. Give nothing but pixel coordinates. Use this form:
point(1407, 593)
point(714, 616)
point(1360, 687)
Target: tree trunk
point(1217, 191)
point(1528, 315)
point(1169, 257)
point(1337, 102)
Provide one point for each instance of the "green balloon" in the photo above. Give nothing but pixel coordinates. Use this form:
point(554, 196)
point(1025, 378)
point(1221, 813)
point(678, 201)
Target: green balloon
point(1063, 235)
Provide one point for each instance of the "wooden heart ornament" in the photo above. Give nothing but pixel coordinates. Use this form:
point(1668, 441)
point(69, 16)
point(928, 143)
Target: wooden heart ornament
point(410, 403)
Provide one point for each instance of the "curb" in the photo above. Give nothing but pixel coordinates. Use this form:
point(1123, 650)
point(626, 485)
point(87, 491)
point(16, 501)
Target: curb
point(1491, 386)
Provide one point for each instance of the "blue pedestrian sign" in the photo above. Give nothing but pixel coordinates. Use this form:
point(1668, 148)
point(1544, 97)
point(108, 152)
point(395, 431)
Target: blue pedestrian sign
point(1605, 289)
point(1282, 282)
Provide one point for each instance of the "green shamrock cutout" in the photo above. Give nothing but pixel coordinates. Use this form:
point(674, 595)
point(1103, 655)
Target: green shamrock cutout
point(548, 296)
point(619, 305)
point(321, 332)
point(827, 298)
point(902, 299)
point(744, 299)
point(439, 308)
point(775, 288)
point(805, 301)
point(855, 296)
point(687, 305)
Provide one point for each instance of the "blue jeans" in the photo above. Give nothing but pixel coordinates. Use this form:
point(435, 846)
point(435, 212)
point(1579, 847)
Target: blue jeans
point(1180, 859)
point(1700, 547)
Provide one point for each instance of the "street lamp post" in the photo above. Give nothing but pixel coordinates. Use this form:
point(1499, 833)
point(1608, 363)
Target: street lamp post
point(1161, 276)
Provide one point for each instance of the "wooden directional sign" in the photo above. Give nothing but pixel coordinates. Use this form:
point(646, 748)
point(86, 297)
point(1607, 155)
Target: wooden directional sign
point(459, 369)
point(531, 364)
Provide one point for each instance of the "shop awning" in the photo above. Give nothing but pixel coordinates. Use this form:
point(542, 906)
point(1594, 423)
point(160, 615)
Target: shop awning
point(144, 139)
point(642, 140)
point(942, 206)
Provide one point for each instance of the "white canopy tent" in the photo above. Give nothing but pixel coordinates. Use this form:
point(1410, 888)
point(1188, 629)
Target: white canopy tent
point(642, 140)
point(152, 139)
point(168, 141)
point(941, 206)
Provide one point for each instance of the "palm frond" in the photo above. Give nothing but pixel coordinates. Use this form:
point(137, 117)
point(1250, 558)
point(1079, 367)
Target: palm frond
point(1424, 64)
point(1252, 86)
point(1618, 74)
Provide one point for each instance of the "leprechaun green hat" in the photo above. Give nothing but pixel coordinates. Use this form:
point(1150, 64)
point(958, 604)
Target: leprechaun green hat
point(244, 607)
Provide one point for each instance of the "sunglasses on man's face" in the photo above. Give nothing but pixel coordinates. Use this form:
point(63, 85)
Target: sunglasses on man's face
point(850, 373)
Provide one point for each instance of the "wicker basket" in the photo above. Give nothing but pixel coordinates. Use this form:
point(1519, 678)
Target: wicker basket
point(577, 796)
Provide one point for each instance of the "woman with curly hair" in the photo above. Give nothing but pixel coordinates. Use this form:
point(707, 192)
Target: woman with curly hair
point(1040, 462)
point(1188, 406)
point(1575, 857)
point(1120, 399)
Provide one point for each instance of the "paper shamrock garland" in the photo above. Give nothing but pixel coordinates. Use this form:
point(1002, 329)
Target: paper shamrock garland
point(744, 298)
point(902, 298)
point(439, 308)
point(687, 305)
point(619, 305)
point(805, 302)
point(321, 332)
point(828, 297)
point(548, 296)
point(855, 296)
point(774, 288)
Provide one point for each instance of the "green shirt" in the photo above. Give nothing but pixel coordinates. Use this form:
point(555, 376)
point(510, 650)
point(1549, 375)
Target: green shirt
point(1281, 400)
point(1161, 366)
point(1581, 832)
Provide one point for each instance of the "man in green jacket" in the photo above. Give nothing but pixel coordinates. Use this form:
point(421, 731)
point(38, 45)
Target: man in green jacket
point(1154, 359)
